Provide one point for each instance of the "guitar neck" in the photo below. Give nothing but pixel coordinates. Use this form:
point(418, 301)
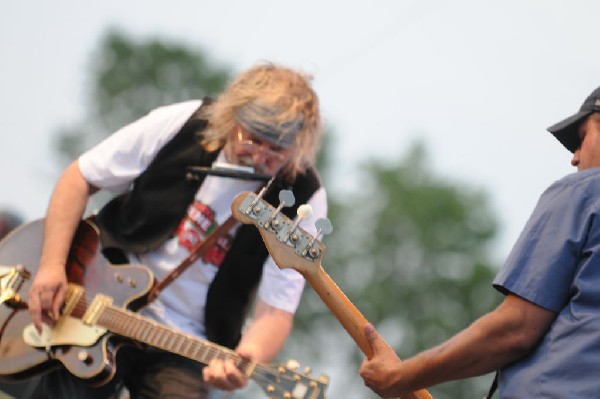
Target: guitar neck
point(136, 327)
point(348, 315)
point(291, 247)
point(343, 309)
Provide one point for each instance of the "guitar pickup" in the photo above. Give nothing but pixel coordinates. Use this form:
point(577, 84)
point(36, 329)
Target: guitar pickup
point(91, 315)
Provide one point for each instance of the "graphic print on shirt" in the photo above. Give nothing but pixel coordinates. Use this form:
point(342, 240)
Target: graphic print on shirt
point(196, 226)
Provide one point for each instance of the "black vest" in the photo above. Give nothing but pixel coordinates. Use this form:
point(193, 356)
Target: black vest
point(150, 212)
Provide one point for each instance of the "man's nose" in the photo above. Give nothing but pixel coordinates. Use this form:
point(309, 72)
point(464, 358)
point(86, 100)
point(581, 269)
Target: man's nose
point(259, 157)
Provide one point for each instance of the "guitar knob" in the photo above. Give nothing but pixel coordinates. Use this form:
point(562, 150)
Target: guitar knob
point(292, 364)
point(84, 357)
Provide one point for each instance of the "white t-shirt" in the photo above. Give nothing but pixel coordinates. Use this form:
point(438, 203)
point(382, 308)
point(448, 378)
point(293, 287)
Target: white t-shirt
point(119, 159)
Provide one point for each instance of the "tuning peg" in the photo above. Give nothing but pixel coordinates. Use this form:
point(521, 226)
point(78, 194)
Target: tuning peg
point(286, 198)
point(304, 211)
point(324, 226)
point(292, 364)
point(307, 370)
point(259, 196)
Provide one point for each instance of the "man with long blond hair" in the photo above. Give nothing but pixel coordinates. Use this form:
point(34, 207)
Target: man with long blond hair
point(268, 121)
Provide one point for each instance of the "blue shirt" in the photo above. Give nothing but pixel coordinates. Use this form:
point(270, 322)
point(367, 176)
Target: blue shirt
point(555, 264)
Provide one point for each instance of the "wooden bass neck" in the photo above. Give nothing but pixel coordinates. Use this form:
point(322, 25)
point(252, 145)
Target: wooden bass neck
point(348, 315)
point(292, 247)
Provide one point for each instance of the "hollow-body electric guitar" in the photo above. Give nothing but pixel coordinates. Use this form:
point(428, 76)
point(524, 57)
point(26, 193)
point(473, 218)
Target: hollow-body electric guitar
point(292, 247)
point(95, 320)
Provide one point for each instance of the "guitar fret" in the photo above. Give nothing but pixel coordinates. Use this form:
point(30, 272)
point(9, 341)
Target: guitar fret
point(175, 343)
point(185, 347)
point(197, 348)
point(134, 326)
point(207, 353)
point(169, 342)
point(145, 332)
point(152, 335)
point(178, 345)
point(137, 328)
point(158, 337)
point(163, 338)
point(128, 327)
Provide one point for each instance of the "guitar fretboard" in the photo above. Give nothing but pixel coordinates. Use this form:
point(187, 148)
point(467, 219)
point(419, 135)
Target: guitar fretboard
point(132, 325)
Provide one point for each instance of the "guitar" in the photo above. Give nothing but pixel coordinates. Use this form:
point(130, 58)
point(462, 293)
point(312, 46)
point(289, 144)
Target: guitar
point(292, 247)
point(95, 321)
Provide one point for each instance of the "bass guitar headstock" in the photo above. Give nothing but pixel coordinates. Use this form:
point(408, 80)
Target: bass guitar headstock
point(289, 245)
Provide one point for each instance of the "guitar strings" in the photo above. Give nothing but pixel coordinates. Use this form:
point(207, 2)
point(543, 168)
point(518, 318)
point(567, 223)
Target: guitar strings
point(132, 325)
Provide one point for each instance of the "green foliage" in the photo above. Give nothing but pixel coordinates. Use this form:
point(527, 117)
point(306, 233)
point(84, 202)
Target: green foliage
point(411, 252)
point(128, 78)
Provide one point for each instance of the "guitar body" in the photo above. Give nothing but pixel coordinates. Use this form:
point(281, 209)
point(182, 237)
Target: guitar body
point(87, 267)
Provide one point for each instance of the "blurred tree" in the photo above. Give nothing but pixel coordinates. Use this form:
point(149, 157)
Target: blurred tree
point(411, 251)
point(128, 78)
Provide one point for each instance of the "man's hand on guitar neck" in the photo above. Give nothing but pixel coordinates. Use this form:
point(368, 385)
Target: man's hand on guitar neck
point(224, 374)
point(378, 372)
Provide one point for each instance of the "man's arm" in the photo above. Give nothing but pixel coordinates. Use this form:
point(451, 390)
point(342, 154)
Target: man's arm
point(66, 207)
point(495, 340)
point(261, 342)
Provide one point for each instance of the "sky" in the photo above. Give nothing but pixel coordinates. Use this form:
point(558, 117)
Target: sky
point(477, 81)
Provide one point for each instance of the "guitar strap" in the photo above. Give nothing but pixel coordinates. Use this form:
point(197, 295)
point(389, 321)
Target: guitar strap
point(197, 251)
point(493, 387)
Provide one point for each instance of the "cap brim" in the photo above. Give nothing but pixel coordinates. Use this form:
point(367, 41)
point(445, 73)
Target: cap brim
point(566, 130)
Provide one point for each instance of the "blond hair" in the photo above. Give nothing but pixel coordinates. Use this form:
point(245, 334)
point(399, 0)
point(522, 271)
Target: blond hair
point(289, 97)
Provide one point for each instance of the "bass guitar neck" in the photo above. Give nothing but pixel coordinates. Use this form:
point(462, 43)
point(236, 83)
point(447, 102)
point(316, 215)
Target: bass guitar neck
point(292, 247)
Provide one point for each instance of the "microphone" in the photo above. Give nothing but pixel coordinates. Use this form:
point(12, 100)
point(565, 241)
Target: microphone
point(224, 169)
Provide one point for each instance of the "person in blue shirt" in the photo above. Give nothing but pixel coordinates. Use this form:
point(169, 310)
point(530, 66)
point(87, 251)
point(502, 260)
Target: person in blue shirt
point(544, 338)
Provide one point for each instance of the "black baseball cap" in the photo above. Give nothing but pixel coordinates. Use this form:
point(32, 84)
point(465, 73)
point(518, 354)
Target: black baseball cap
point(566, 131)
